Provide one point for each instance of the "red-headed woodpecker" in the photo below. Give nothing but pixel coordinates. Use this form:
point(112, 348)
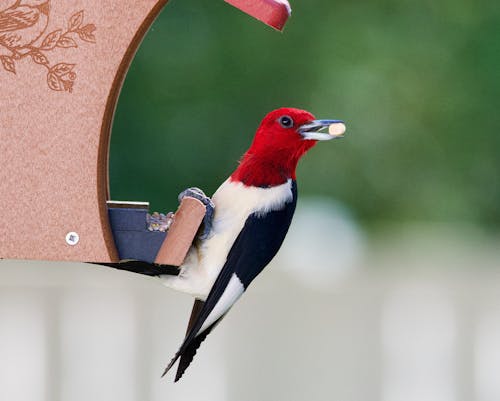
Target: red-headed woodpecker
point(253, 210)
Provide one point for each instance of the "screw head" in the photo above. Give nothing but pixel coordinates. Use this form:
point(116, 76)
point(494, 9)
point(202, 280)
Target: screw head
point(72, 238)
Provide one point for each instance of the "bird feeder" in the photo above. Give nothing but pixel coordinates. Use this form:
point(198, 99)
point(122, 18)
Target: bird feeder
point(62, 65)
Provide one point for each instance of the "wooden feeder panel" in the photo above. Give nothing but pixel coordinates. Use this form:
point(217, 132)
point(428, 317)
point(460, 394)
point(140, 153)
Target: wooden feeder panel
point(62, 65)
point(54, 138)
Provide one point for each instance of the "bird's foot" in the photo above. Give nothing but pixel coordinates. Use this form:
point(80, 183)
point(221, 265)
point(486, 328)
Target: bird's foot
point(197, 193)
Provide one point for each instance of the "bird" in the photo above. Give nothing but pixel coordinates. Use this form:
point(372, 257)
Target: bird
point(22, 22)
point(253, 211)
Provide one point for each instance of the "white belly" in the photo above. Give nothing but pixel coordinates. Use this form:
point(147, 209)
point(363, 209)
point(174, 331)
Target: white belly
point(234, 203)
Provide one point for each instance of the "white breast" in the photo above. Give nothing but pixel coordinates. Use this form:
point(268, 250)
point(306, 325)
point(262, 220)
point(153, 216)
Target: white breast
point(234, 202)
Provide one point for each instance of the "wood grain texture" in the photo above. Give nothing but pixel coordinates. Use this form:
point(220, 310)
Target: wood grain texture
point(57, 99)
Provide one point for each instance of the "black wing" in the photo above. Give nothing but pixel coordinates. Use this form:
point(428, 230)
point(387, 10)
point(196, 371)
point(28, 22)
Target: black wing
point(253, 249)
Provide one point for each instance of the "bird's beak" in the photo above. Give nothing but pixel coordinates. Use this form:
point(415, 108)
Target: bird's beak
point(315, 130)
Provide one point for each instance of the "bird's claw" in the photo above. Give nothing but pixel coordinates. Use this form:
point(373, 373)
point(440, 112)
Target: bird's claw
point(197, 193)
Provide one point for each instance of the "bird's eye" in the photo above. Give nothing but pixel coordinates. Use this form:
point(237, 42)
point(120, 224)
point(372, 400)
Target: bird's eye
point(286, 122)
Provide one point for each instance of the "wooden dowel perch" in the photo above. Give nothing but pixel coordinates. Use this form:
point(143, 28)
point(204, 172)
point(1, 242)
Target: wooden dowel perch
point(154, 244)
point(182, 232)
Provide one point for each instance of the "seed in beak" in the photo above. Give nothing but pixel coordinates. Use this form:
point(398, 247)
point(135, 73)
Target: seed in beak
point(337, 129)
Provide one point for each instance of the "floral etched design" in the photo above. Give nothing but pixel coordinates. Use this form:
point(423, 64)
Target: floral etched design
point(23, 24)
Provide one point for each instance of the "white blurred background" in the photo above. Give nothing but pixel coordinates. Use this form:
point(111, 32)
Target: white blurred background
point(400, 313)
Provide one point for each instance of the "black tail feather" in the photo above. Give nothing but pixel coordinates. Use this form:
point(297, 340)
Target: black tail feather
point(174, 359)
point(200, 312)
point(195, 312)
point(190, 349)
point(148, 269)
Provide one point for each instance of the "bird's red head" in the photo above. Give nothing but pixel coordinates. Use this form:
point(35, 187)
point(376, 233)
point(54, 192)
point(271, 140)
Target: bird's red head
point(282, 138)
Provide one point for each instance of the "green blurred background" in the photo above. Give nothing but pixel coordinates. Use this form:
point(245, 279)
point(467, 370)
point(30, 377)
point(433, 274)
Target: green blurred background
point(387, 290)
point(418, 84)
